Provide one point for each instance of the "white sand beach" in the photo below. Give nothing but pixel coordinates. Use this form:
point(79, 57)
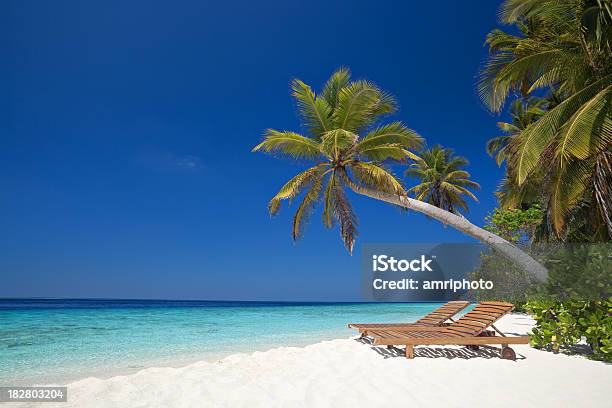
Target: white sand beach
point(349, 373)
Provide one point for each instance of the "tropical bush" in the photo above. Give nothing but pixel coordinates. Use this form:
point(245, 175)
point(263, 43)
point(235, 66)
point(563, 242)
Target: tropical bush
point(560, 326)
point(515, 225)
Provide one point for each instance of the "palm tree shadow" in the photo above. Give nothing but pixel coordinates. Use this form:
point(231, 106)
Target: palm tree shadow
point(486, 352)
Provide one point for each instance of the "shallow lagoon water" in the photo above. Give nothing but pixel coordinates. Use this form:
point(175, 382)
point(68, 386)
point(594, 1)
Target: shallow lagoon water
point(56, 341)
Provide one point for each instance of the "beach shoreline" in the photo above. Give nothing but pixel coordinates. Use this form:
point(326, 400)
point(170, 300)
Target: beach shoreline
point(347, 372)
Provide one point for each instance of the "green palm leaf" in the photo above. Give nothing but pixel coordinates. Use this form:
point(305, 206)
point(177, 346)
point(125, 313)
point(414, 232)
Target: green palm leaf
point(394, 132)
point(288, 143)
point(294, 186)
point(538, 136)
point(315, 111)
point(383, 152)
point(376, 176)
point(305, 208)
point(336, 141)
point(589, 130)
point(339, 80)
point(358, 104)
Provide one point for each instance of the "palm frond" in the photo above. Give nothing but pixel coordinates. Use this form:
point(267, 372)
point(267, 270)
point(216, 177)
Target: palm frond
point(293, 187)
point(539, 135)
point(457, 190)
point(357, 105)
point(377, 177)
point(466, 183)
point(305, 208)
point(315, 112)
point(394, 132)
point(336, 141)
point(589, 130)
point(568, 186)
point(339, 79)
point(455, 174)
point(344, 214)
point(383, 152)
point(288, 143)
point(328, 199)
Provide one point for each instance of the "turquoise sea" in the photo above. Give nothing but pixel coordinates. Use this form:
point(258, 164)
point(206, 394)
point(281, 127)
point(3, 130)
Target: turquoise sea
point(54, 341)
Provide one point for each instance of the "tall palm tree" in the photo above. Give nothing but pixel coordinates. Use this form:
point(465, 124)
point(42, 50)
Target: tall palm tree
point(512, 195)
point(349, 148)
point(443, 182)
point(565, 45)
point(523, 112)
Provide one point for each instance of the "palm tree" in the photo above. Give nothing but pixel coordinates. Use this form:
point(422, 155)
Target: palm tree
point(349, 148)
point(511, 195)
point(443, 183)
point(523, 112)
point(564, 45)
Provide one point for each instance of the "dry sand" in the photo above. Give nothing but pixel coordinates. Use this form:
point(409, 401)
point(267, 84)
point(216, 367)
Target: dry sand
point(348, 373)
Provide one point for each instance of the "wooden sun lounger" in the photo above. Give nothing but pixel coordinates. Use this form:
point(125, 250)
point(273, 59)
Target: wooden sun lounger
point(434, 319)
point(470, 330)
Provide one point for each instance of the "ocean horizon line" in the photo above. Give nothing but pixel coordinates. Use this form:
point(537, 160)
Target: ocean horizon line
point(208, 300)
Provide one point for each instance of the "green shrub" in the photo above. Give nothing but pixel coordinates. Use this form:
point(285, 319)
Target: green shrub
point(561, 325)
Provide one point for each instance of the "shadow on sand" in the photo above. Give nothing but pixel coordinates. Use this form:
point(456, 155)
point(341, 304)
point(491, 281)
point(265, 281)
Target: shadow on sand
point(437, 352)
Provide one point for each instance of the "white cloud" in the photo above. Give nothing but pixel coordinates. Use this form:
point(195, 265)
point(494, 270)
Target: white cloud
point(188, 162)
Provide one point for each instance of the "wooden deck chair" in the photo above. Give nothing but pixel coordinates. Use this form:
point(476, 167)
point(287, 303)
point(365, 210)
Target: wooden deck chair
point(471, 330)
point(434, 319)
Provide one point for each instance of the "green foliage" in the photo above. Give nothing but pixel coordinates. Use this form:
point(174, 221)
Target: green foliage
point(561, 325)
point(563, 146)
point(443, 182)
point(515, 225)
point(348, 146)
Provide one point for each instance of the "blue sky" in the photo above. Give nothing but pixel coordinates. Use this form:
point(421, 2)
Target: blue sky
point(126, 130)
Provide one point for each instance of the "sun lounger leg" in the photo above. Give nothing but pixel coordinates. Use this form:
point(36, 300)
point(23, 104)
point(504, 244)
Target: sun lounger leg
point(409, 351)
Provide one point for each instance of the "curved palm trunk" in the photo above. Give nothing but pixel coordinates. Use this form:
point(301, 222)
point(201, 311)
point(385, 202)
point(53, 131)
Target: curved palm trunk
point(513, 253)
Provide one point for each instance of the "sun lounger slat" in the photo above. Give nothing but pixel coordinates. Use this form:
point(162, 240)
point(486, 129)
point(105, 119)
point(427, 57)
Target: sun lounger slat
point(478, 319)
point(486, 310)
point(461, 331)
point(433, 319)
point(468, 323)
point(502, 304)
point(464, 329)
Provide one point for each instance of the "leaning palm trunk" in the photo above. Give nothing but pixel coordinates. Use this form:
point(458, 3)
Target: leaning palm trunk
point(513, 253)
point(335, 119)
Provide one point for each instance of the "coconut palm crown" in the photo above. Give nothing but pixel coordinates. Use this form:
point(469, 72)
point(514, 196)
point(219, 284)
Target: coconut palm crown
point(523, 112)
point(443, 182)
point(347, 146)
